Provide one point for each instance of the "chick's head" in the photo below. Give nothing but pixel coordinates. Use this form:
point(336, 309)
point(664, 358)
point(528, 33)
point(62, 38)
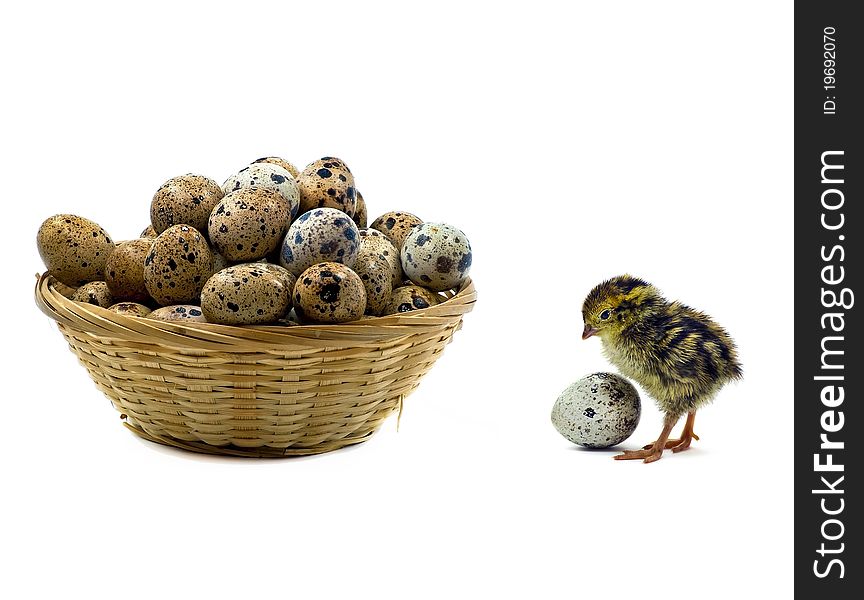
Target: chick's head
point(616, 304)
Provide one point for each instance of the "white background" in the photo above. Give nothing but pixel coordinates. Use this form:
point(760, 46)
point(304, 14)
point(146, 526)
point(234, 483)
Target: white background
point(570, 142)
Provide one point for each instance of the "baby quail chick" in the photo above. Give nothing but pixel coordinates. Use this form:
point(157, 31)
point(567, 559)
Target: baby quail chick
point(677, 354)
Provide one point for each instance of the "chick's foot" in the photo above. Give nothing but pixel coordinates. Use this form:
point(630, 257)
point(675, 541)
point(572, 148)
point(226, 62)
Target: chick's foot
point(648, 454)
point(676, 444)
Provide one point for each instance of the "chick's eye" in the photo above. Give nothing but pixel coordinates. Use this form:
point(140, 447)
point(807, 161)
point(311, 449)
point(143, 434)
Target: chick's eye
point(605, 314)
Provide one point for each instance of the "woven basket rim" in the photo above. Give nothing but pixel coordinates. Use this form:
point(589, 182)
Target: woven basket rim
point(210, 336)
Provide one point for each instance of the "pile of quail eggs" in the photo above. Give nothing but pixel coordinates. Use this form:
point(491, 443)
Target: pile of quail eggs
point(271, 245)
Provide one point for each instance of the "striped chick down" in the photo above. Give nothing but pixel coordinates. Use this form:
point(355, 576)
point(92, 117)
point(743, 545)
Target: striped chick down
point(679, 355)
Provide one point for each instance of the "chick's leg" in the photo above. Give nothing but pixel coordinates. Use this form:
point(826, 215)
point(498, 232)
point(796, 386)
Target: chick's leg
point(655, 450)
point(687, 436)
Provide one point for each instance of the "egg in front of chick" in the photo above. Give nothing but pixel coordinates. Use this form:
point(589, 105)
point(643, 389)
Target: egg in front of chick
point(597, 411)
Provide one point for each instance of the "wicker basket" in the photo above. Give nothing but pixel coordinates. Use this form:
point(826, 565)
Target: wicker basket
point(255, 391)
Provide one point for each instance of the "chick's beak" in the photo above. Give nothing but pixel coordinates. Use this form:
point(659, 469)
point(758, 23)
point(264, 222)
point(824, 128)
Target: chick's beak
point(588, 331)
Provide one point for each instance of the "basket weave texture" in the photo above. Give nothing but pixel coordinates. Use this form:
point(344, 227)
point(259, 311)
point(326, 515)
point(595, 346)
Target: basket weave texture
point(255, 391)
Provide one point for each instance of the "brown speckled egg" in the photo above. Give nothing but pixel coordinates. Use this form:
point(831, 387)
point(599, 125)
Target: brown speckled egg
point(95, 293)
point(178, 312)
point(267, 175)
point(411, 297)
point(186, 199)
point(275, 160)
point(396, 226)
point(361, 217)
point(327, 182)
point(74, 249)
point(247, 294)
point(130, 309)
point(375, 243)
point(177, 266)
point(323, 234)
point(329, 293)
point(248, 224)
point(124, 271)
point(436, 256)
point(377, 278)
point(148, 232)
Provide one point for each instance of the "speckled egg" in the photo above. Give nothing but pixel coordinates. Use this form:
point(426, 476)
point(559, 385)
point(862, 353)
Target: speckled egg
point(375, 243)
point(327, 183)
point(361, 217)
point(323, 234)
point(598, 411)
point(95, 293)
point(124, 271)
point(376, 275)
point(410, 297)
point(271, 176)
point(248, 224)
point(186, 199)
point(74, 249)
point(247, 294)
point(130, 309)
point(148, 232)
point(177, 266)
point(178, 312)
point(396, 226)
point(275, 160)
point(436, 256)
point(329, 292)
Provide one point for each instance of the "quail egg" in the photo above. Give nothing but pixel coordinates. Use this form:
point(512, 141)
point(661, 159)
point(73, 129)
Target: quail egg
point(598, 411)
point(177, 266)
point(329, 292)
point(74, 249)
point(95, 293)
point(376, 275)
point(396, 226)
point(148, 232)
point(124, 271)
point(130, 309)
point(248, 223)
point(410, 297)
point(323, 234)
point(267, 175)
point(436, 256)
point(275, 160)
point(186, 199)
point(246, 294)
point(178, 312)
point(375, 243)
point(327, 182)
